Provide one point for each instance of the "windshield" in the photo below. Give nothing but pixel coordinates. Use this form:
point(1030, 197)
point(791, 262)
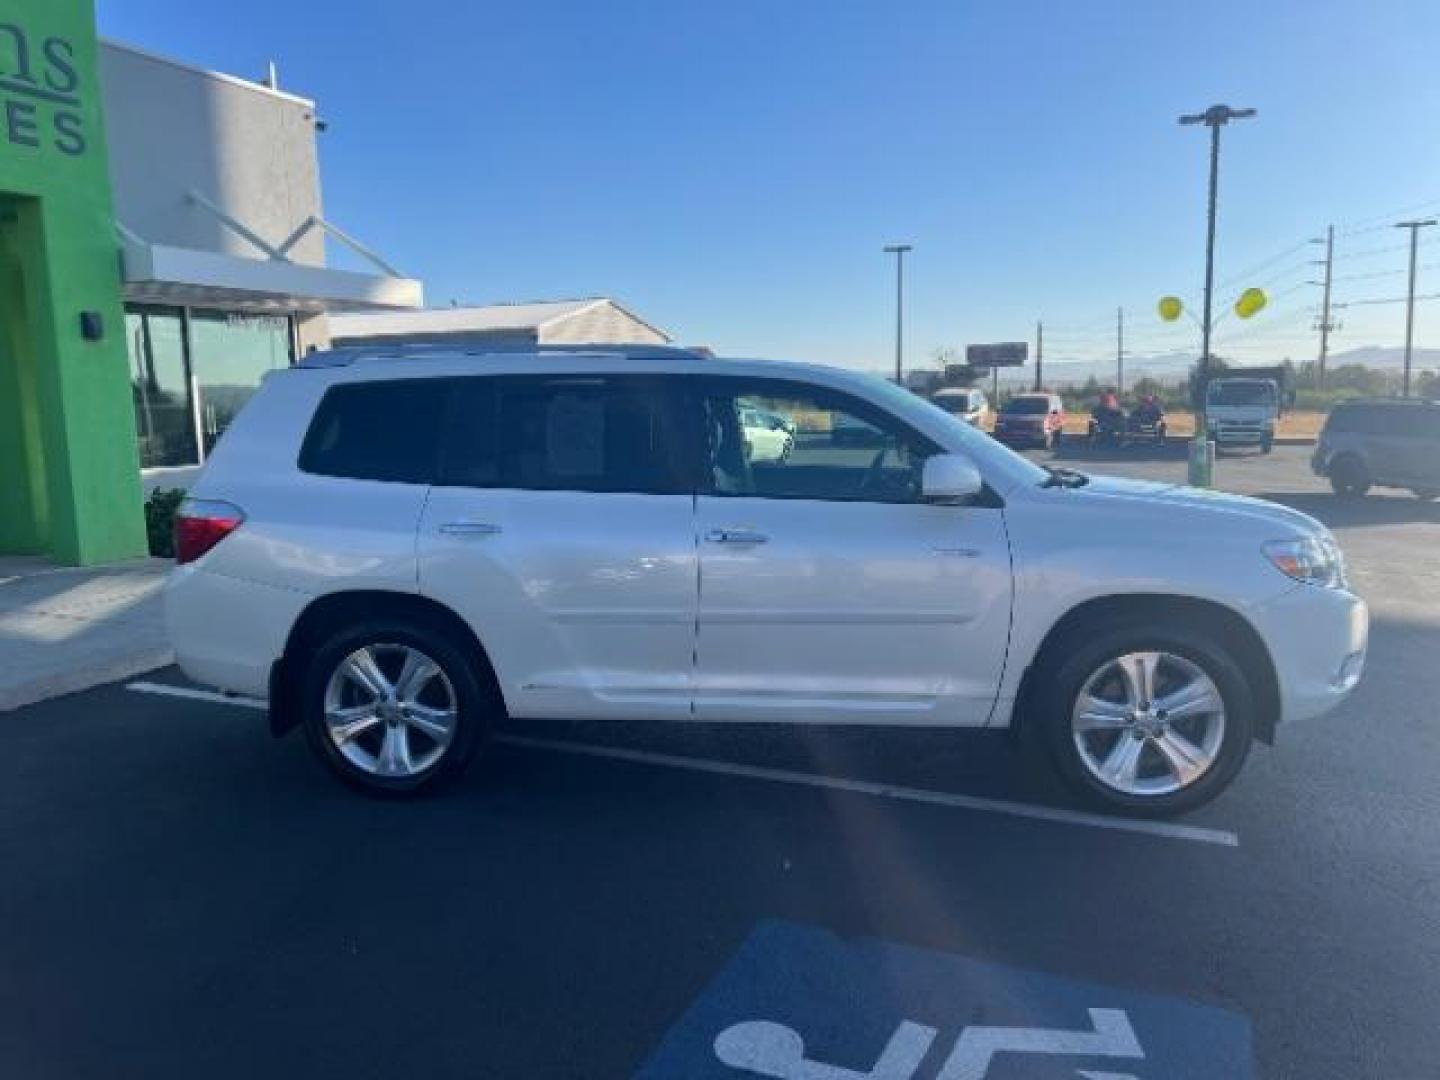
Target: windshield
point(1241, 392)
point(956, 434)
point(1028, 406)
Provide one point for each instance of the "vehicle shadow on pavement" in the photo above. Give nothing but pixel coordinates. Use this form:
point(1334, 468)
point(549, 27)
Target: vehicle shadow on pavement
point(1078, 449)
point(988, 764)
point(1397, 508)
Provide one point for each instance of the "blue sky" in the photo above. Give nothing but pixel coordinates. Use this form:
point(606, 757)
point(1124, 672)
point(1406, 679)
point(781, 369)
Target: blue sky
point(731, 170)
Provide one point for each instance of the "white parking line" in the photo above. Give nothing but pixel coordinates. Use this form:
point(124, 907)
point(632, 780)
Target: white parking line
point(1168, 830)
point(166, 690)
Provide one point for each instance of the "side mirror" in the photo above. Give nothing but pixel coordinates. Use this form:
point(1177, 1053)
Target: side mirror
point(950, 480)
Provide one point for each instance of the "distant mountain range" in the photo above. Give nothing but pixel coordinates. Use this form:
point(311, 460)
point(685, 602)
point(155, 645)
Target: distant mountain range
point(1169, 367)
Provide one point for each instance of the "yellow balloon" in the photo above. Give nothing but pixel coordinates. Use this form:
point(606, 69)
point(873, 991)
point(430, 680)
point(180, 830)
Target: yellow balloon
point(1250, 302)
point(1170, 308)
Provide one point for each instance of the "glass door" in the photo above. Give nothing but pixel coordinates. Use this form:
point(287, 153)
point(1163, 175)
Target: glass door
point(230, 352)
point(161, 388)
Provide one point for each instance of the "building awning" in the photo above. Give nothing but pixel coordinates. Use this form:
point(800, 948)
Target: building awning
point(157, 273)
point(165, 274)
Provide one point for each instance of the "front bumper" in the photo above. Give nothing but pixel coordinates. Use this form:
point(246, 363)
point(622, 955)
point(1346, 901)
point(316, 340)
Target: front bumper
point(1317, 639)
point(1234, 436)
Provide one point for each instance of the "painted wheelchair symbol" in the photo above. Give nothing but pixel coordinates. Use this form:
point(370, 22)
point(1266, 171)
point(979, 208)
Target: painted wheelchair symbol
point(774, 1050)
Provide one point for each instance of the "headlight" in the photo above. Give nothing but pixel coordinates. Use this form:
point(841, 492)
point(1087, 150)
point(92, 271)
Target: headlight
point(1315, 560)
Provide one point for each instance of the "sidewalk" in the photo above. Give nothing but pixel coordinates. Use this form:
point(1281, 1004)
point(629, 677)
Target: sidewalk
point(64, 629)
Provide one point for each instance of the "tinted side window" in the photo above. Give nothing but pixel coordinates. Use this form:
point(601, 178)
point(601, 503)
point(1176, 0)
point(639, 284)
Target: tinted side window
point(386, 430)
point(835, 448)
point(1361, 420)
point(1341, 420)
point(1416, 422)
point(581, 433)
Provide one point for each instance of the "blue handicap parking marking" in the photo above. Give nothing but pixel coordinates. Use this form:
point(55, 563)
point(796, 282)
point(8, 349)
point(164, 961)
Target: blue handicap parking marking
point(799, 1003)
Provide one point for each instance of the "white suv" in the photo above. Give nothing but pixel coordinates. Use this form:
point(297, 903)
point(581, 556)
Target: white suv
point(398, 548)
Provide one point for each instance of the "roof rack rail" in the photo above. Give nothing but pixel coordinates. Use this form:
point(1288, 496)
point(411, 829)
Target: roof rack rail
point(344, 355)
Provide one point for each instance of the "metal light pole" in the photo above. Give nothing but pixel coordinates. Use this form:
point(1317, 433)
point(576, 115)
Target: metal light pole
point(1215, 117)
point(1039, 356)
point(1414, 227)
point(1325, 324)
point(1120, 350)
point(899, 250)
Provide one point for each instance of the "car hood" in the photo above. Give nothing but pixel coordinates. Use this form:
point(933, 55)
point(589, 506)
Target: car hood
point(1179, 498)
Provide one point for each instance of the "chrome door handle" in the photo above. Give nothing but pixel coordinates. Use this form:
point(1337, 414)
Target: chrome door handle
point(469, 528)
point(735, 536)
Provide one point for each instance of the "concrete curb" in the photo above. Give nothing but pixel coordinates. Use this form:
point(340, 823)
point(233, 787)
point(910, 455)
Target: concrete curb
point(86, 678)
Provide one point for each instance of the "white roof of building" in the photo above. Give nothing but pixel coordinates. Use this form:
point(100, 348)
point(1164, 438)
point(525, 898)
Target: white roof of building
point(531, 315)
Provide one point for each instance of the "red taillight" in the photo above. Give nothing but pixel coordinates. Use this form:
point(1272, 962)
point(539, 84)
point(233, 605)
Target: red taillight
point(200, 524)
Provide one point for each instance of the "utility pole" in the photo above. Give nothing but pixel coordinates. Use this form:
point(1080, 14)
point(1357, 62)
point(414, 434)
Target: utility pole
point(899, 250)
point(1325, 324)
point(1414, 227)
point(1039, 354)
point(1119, 350)
point(1215, 117)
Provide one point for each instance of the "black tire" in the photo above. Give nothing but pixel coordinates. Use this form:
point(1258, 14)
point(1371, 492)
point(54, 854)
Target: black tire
point(1349, 478)
point(1070, 663)
point(476, 699)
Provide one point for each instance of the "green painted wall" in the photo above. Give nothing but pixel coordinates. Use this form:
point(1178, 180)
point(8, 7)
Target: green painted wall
point(69, 470)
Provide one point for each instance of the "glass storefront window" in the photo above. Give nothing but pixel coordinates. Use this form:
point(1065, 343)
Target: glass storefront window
point(229, 352)
point(160, 385)
point(190, 381)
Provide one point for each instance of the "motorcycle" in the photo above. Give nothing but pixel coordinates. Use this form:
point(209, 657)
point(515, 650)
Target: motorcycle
point(1107, 427)
point(1146, 425)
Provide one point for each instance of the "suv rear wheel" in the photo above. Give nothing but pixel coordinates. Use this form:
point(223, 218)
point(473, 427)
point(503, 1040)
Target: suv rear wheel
point(393, 706)
point(1348, 477)
point(1144, 720)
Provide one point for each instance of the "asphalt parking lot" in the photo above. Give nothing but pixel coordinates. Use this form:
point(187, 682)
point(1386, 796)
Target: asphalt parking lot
point(184, 897)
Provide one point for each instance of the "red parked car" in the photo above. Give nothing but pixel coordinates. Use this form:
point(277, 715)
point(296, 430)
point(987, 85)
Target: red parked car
point(1031, 420)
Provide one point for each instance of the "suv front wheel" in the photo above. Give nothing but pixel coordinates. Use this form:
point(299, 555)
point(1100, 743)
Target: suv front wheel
point(1348, 477)
point(393, 706)
point(1147, 721)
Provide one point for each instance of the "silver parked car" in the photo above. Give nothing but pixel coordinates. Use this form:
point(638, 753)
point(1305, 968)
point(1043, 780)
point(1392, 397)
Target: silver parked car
point(1387, 442)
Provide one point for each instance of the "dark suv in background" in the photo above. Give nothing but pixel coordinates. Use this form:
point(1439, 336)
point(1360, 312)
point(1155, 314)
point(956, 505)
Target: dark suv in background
point(1392, 442)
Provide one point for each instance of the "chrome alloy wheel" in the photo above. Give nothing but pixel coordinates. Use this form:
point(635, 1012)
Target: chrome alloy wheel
point(1148, 723)
point(390, 710)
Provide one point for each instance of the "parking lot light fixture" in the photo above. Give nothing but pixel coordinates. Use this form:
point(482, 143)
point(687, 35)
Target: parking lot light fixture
point(899, 250)
point(1215, 117)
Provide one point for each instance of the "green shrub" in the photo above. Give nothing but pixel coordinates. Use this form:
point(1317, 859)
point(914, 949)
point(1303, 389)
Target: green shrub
point(160, 510)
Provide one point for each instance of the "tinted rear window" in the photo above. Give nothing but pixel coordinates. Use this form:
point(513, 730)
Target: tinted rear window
point(386, 430)
point(1028, 406)
point(608, 433)
point(1416, 421)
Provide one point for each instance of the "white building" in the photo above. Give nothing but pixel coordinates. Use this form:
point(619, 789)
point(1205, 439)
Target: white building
point(593, 321)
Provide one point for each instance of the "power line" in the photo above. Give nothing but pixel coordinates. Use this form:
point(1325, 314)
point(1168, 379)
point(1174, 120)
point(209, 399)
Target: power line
point(1270, 325)
point(1386, 300)
point(1388, 216)
point(1367, 252)
point(1372, 274)
point(1263, 264)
